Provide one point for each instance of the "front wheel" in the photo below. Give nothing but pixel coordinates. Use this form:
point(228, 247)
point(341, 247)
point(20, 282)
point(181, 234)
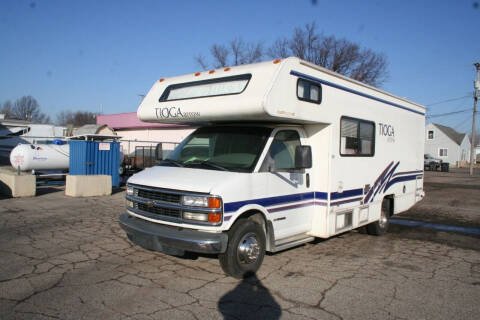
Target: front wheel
point(380, 227)
point(245, 250)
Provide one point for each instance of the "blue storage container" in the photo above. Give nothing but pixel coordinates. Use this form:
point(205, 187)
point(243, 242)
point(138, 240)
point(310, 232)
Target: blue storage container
point(95, 157)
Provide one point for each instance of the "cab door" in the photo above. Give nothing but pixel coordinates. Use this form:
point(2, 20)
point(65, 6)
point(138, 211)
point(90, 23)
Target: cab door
point(290, 204)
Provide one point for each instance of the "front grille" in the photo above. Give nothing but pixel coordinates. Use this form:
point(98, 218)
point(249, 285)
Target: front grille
point(159, 196)
point(166, 212)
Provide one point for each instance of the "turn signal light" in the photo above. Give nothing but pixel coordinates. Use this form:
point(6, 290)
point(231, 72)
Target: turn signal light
point(214, 217)
point(214, 203)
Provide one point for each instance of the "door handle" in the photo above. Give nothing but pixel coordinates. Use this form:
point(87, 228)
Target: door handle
point(307, 178)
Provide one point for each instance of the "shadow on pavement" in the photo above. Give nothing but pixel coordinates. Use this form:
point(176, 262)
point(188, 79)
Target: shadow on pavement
point(249, 300)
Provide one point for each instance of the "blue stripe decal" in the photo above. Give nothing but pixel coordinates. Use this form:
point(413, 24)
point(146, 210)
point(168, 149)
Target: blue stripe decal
point(267, 202)
point(346, 194)
point(291, 198)
point(333, 85)
point(399, 179)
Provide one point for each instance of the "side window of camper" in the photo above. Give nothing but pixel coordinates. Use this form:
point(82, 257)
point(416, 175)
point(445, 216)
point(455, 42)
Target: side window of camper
point(357, 137)
point(309, 91)
point(281, 155)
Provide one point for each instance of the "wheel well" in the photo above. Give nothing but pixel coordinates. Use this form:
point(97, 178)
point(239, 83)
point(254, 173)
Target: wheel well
point(267, 226)
point(391, 202)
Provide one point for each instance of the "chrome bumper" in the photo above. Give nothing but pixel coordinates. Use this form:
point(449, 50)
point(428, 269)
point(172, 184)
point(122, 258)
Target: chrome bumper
point(171, 240)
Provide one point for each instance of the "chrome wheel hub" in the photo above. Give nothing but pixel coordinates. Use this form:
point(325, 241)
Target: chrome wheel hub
point(248, 249)
point(383, 219)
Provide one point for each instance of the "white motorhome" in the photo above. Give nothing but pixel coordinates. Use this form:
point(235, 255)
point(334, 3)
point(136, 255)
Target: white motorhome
point(285, 152)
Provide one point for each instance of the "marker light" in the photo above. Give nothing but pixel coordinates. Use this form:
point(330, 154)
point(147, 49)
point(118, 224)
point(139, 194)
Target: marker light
point(277, 61)
point(161, 80)
point(197, 74)
point(211, 71)
point(214, 217)
point(214, 203)
point(226, 69)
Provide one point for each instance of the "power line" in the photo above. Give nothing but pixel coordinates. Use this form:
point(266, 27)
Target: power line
point(448, 113)
point(449, 100)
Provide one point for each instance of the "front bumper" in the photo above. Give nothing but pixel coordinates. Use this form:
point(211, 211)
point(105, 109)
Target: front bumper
point(171, 240)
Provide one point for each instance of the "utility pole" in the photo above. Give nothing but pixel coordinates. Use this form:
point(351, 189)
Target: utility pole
point(476, 85)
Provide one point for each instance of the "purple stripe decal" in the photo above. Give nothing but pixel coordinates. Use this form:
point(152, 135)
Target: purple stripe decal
point(293, 206)
point(336, 203)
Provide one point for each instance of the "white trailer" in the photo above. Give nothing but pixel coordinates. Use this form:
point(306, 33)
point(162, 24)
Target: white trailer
point(285, 152)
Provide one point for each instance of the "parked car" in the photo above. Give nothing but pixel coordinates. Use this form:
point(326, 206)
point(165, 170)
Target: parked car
point(431, 163)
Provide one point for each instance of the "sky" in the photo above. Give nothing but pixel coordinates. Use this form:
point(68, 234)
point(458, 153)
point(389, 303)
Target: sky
point(101, 55)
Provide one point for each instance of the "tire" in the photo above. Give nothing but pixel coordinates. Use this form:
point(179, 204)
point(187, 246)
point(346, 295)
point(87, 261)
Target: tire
point(380, 227)
point(245, 250)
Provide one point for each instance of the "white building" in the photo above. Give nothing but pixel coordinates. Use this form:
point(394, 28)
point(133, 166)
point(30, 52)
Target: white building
point(135, 133)
point(447, 144)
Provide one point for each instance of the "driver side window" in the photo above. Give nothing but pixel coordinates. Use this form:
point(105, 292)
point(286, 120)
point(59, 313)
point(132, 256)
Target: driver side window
point(281, 155)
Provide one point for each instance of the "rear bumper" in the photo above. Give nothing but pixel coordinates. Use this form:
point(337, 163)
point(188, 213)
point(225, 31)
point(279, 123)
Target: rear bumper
point(171, 240)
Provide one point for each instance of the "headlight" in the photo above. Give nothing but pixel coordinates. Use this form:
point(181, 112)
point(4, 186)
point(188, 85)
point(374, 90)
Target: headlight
point(129, 203)
point(199, 201)
point(194, 201)
point(130, 190)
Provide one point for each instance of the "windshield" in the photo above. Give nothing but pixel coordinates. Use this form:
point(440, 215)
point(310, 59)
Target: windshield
point(220, 148)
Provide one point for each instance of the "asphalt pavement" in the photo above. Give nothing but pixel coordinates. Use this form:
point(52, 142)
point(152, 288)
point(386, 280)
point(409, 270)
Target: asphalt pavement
point(67, 258)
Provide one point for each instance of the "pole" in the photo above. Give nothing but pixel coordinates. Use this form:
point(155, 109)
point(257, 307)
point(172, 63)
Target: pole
point(476, 85)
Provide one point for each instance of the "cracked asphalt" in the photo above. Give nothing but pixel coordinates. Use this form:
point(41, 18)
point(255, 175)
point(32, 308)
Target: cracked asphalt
point(67, 258)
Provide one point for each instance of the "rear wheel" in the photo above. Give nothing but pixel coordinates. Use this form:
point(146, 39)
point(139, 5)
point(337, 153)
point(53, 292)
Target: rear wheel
point(380, 227)
point(245, 250)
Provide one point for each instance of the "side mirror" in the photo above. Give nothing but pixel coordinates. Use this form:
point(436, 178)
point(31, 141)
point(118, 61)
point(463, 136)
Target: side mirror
point(158, 152)
point(303, 157)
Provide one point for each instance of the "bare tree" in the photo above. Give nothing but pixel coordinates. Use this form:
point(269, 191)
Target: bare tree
point(340, 55)
point(77, 119)
point(7, 109)
point(241, 52)
point(220, 55)
point(24, 108)
point(200, 60)
point(279, 49)
point(254, 53)
point(237, 47)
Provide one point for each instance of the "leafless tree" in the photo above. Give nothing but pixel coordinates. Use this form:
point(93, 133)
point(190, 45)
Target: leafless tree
point(220, 55)
point(77, 119)
point(24, 108)
point(279, 49)
point(254, 52)
point(7, 109)
point(237, 47)
point(337, 54)
point(241, 52)
point(200, 60)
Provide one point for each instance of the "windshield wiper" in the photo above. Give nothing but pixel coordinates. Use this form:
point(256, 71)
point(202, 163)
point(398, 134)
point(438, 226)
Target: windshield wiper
point(175, 162)
point(208, 164)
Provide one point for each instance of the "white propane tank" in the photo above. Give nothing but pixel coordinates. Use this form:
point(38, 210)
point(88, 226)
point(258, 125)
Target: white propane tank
point(40, 157)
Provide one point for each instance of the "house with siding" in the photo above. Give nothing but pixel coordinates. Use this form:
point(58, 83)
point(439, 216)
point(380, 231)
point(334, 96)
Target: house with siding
point(447, 144)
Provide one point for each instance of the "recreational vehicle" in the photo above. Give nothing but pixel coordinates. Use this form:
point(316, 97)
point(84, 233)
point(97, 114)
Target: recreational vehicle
point(285, 152)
